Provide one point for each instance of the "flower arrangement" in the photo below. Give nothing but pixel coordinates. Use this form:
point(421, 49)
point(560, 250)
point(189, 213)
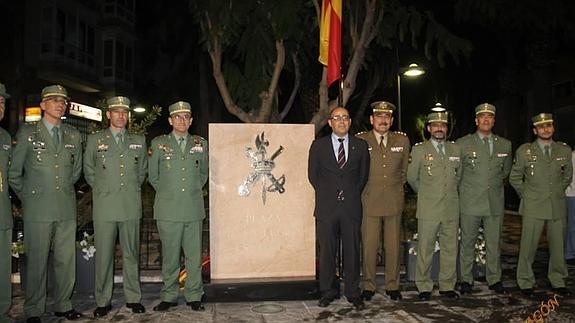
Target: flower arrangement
point(18, 245)
point(480, 251)
point(86, 245)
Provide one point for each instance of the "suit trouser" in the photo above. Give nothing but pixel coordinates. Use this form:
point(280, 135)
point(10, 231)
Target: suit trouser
point(176, 236)
point(492, 227)
point(371, 234)
point(570, 238)
point(105, 233)
point(5, 273)
point(39, 237)
point(427, 231)
point(531, 229)
point(329, 228)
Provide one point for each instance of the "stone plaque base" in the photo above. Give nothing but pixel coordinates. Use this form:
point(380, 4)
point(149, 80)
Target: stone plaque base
point(264, 235)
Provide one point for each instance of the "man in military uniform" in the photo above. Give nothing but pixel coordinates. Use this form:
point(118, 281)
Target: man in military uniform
point(485, 165)
point(178, 170)
point(540, 174)
point(5, 214)
point(433, 173)
point(115, 165)
point(383, 199)
point(46, 162)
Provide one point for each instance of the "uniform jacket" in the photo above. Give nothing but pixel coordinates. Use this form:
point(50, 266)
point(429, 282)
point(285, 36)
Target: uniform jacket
point(116, 175)
point(383, 194)
point(178, 178)
point(435, 180)
point(43, 175)
point(327, 178)
point(5, 204)
point(482, 179)
point(541, 182)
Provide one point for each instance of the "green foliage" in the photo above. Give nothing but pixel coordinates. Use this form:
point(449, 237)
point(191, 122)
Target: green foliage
point(246, 31)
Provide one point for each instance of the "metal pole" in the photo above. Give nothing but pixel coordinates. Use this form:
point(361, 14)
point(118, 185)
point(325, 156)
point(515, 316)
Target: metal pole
point(398, 101)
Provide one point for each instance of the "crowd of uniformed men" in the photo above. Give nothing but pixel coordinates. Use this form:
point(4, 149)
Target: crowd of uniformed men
point(43, 163)
point(359, 183)
point(460, 189)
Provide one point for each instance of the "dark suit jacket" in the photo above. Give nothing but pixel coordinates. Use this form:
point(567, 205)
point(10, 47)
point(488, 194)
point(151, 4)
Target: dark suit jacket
point(327, 178)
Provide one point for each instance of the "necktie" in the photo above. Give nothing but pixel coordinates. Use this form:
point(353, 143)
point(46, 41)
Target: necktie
point(120, 139)
point(547, 151)
point(56, 136)
point(440, 149)
point(486, 143)
point(382, 142)
point(182, 144)
point(341, 154)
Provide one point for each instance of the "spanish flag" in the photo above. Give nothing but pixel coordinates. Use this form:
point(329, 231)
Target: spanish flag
point(330, 38)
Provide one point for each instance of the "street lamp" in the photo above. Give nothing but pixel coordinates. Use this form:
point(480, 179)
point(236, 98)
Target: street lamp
point(413, 70)
point(139, 109)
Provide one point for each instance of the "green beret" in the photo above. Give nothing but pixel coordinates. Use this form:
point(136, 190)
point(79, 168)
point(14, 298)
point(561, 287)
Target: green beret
point(180, 106)
point(118, 102)
point(3, 91)
point(542, 118)
point(382, 106)
point(54, 90)
point(485, 108)
point(437, 117)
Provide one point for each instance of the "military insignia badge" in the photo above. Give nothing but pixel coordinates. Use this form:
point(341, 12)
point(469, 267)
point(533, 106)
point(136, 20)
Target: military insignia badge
point(135, 146)
point(398, 149)
point(262, 167)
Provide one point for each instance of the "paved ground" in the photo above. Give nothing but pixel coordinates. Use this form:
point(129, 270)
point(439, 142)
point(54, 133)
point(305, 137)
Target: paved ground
point(482, 306)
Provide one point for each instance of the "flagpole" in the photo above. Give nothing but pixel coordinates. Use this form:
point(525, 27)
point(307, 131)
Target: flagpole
point(340, 96)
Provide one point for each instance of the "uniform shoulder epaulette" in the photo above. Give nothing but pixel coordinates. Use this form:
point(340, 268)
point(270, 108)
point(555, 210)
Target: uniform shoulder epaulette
point(419, 143)
point(400, 133)
point(562, 143)
point(199, 138)
point(451, 141)
point(360, 133)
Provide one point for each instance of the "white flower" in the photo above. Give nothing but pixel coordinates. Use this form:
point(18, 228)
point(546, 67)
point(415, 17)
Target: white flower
point(83, 243)
point(412, 251)
point(436, 246)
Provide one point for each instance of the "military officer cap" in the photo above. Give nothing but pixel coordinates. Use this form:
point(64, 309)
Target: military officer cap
point(542, 118)
point(54, 90)
point(180, 106)
point(3, 91)
point(383, 106)
point(118, 102)
point(485, 108)
point(441, 116)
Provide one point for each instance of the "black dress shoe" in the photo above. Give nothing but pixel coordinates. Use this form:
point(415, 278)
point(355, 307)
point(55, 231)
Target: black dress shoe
point(164, 306)
point(498, 288)
point(325, 301)
point(465, 288)
point(367, 295)
point(562, 291)
point(102, 311)
point(395, 295)
point(196, 306)
point(424, 296)
point(70, 315)
point(136, 308)
point(33, 319)
point(357, 303)
point(449, 294)
point(528, 293)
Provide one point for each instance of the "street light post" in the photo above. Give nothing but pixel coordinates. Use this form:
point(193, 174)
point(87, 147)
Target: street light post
point(413, 70)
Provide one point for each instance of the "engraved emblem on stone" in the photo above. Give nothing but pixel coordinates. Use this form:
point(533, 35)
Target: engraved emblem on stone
point(262, 167)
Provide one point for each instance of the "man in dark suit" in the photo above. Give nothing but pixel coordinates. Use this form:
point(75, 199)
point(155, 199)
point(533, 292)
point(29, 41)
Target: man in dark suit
point(338, 169)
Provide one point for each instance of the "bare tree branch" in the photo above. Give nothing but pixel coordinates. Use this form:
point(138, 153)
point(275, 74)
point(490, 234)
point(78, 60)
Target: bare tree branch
point(296, 83)
point(267, 96)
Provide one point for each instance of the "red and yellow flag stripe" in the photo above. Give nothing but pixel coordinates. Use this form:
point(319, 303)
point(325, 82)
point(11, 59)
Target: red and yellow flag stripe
point(330, 38)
